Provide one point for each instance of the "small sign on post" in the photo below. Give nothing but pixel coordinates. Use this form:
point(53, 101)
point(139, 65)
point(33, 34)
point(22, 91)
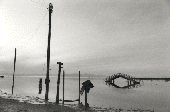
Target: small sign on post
point(87, 85)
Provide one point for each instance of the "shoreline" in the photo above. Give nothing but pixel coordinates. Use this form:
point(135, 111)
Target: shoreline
point(12, 103)
point(16, 103)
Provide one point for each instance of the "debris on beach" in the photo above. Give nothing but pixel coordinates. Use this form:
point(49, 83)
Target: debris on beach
point(27, 99)
point(113, 109)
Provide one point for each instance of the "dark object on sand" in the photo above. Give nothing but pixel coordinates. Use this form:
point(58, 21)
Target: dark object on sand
point(1, 76)
point(69, 100)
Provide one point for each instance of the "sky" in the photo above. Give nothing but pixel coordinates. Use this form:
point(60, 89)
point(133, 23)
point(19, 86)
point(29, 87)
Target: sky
point(99, 37)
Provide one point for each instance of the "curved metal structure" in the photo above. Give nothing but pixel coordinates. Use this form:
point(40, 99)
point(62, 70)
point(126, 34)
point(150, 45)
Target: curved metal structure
point(131, 81)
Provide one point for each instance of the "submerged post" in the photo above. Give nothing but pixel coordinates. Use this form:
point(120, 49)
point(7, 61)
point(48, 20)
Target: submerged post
point(47, 80)
point(40, 86)
point(63, 85)
point(14, 71)
point(58, 81)
point(79, 87)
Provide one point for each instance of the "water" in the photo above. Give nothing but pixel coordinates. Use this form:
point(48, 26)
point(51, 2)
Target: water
point(150, 95)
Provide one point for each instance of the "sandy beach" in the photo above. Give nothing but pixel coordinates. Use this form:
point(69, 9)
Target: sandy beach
point(17, 103)
point(11, 105)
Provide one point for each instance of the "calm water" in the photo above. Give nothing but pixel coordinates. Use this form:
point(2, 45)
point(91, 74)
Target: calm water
point(155, 94)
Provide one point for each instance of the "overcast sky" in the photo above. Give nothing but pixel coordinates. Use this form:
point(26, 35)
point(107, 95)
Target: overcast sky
point(98, 37)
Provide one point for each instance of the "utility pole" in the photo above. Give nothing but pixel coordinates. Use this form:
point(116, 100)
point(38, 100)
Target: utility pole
point(47, 80)
point(14, 71)
point(58, 81)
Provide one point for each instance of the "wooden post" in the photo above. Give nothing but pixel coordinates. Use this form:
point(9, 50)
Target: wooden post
point(86, 98)
point(14, 72)
point(58, 82)
point(79, 88)
point(40, 86)
point(63, 85)
point(47, 80)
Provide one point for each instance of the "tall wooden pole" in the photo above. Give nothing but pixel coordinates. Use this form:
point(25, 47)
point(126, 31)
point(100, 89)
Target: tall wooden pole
point(47, 80)
point(79, 87)
point(14, 72)
point(63, 85)
point(58, 82)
